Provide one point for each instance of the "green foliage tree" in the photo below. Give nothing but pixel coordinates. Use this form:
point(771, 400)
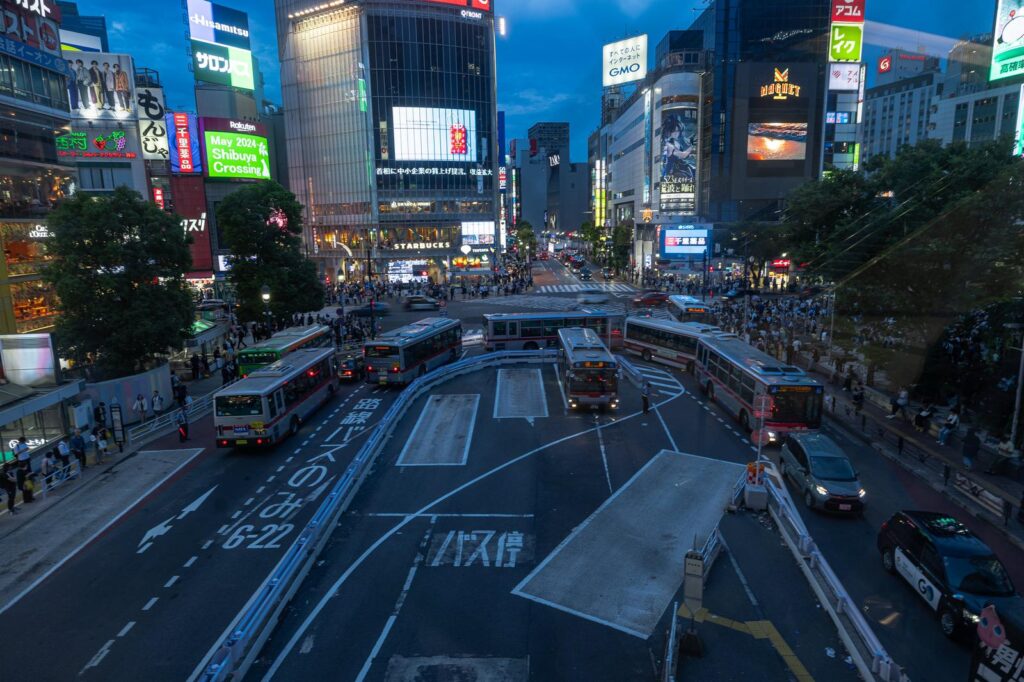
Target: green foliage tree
point(758, 241)
point(262, 224)
point(526, 239)
point(621, 245)
point(119, 273)
point(591, 235)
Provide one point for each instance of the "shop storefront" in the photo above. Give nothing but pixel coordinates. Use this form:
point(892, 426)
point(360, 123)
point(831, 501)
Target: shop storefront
point(27, 303)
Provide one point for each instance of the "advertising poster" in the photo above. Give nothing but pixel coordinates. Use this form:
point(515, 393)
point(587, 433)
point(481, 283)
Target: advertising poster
point(235, 150)
point(426, 134)
point(183, 143)
point(999, 648)
point(684, 241)
point(152, 123)
point(30, 28)
point(221, 51)
point(102, 85)
point(776, 141)
point(679, 149)
point(624, 61)
point(190, 203)
point(1008, 40)
point(478, 233)
point(101, 143)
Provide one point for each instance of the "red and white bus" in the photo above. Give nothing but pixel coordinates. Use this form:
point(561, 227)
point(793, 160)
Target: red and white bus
point(734, 374)
point(688, 309)
point(533, 331)
point(273, 402)
point(670, 343)
point(588, 370)
point(401, 355)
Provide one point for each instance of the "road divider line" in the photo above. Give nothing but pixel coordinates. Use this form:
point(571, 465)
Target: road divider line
point(188, 564)
point(170, 582)
point(604, 461)
point(206, 545)
point(152, 602)
point(100, 655)
point(126, 629)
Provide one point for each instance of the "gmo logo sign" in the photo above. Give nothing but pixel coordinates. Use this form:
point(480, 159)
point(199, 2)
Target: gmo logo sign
point(627, 70)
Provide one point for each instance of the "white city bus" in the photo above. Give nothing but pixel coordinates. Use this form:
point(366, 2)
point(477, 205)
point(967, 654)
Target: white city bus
point(734, 374)
point(688, 309)
point(533, 331)
point(587, 369)
point(271, 403)
point(665, 341)
point(401, 355)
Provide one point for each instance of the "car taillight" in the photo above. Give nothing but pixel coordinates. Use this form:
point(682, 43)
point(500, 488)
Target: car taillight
point(348, 372)
point(259, 441)
point(394, 370)
point(369, 368)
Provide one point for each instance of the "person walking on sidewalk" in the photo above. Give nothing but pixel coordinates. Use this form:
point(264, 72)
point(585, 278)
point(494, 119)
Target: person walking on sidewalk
point(181, 419)
point(900, 403)
point(645, 396)
point(21, 453)
point(157, 403)
point(972, 444)
point(950, 426)
point(9, 485)
point(858, 397)
point(141, 407)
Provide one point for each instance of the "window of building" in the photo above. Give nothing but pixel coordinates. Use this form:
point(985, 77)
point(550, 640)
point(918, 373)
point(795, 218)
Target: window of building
point(104, 178)
point(25, 247)
point(35, 305)
point(960, 122)
point(983, 119)
point(33, 83)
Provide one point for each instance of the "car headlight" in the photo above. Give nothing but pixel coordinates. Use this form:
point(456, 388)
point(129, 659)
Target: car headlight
point(821, 490)
point(970, 616)
point(862, 492)
point(772, 435)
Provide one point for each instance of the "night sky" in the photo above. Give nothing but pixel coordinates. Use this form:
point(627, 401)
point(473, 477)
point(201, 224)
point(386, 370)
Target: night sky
point(549, 64)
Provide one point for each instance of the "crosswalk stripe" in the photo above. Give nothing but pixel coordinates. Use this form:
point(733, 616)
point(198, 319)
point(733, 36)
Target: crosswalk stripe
point(615, 287)
point(651, 371)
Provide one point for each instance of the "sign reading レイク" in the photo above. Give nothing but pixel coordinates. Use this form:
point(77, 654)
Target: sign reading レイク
point(846, 42)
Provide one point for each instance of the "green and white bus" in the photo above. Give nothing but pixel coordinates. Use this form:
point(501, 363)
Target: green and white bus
point(280, 345)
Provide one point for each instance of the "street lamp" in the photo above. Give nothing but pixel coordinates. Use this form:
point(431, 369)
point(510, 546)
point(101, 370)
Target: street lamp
point(265, 295)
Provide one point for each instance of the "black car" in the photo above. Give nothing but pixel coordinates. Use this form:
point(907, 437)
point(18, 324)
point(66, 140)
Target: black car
point(952, 570)
point(352, 369)
point(607, 273)
point(586, 275)
point(377, 309)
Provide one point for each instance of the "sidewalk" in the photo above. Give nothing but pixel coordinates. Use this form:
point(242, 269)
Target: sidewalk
point(996, 499)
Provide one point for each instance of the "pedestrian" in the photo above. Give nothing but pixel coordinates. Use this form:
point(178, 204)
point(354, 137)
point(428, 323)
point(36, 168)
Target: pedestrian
point(141, 407)
point(972, 444)
point(157, 403)
point(194, 362)
point(64, 455)
point(645, 396)
point(923, 417)
point(78, 447)
point(949, 426)
point(8, 482)
point(101, 445)
point(21, 453)
point(48, 467)
point(858, 397)
point(181, 419)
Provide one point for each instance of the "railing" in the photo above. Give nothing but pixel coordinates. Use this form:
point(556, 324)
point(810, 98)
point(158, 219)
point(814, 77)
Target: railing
point(631, 371)
point(868, 654)
point(259, 616)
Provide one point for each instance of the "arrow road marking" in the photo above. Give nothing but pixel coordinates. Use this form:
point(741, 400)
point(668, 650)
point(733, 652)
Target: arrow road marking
point(153, 533)
point(195, 505)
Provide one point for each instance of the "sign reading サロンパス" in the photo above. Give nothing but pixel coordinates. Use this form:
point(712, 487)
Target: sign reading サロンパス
point(221, 52)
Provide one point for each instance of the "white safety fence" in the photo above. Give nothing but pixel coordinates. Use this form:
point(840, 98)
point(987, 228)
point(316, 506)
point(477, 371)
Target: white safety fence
point(251, 627)
point(870, 657)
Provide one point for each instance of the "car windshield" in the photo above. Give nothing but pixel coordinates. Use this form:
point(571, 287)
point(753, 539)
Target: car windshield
point(981, 575)
point(239, 406)
point(833, 469)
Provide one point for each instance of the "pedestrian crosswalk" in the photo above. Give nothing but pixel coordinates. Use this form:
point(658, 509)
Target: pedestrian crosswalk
point(614, 287)
point(661, 381)
point(534, 302)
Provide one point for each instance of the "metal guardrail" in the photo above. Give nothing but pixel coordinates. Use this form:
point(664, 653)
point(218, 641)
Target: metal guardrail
point(870, 657)
point(631, 371)
point(252, 626)
point(153, 428)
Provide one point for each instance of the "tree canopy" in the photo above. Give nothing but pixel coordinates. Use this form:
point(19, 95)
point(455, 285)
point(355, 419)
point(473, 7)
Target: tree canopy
point(262, 224)
point(118, 269)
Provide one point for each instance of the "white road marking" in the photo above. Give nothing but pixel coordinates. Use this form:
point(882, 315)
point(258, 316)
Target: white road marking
point(280, 468)
point(170, 582)
point(249, 501)
point(558, 378)
point(354, 566)
point(188, 564)
point(288, 459)
point(604, 460)
point(126, 629)
point(100, 655)
point(150, 603)
point(271, 479)
point(667, 432)
point(260, 489)
point(331, 437)
point(307, 645)
point(412, 515)
point(206, 545)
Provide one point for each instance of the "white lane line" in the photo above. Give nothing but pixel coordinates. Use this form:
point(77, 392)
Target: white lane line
point(223, 529)
point(403, 515)
point(100, 531)
point(354, 566)
point(297, 451)
point(126, 629)
point(100, 655)
point(236, 514)
point(280, 468)
point(260, 489)
point(170, 582)
point(288, 459)
point(206, 545)
point(565, 403)
point(739, 573)
point(667, 432)
point(188, 564)
point(249, 501)
point(420, 554)
point(604, 460)
point(305, 442)
point(150, 603)
point(271, 479)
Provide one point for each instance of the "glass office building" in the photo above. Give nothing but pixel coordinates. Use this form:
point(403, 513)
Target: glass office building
point(391, 124)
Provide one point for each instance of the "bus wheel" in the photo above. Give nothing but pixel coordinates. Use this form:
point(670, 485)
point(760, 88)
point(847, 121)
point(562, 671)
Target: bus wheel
point(530, 346)
point(745, 421)
point(293, 428)
point(646, 355)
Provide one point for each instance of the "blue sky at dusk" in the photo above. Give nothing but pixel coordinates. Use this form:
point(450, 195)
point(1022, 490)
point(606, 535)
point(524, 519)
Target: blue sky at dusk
point(548, 65)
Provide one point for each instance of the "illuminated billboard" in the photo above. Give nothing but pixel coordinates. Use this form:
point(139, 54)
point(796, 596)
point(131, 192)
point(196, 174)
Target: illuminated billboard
point(684, 241)
point(426, 134)
point(678, 159)
point(776, 141)
point(478, 233)
point(183, 143)
point(236, 150)
point(482, 5)
point(1008, 40)
point(102, 85)
point(221, 52)
point(624, 61)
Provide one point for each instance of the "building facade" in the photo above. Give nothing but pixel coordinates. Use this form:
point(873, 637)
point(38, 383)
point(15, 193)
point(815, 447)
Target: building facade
point(401, 170)
point(899, 113)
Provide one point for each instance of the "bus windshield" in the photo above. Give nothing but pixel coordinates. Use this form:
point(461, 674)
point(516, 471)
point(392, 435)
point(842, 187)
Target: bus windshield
point(381, 352)
point(797, 408)
point(593, 380)
point(239, 406)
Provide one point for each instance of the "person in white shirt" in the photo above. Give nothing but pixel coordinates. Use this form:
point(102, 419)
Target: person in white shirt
point(157, 403)
point(141, 406)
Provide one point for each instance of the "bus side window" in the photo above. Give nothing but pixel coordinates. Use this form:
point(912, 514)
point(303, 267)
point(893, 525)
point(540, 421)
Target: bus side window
point(500, 329)
point(280, 400)
point(272, 405)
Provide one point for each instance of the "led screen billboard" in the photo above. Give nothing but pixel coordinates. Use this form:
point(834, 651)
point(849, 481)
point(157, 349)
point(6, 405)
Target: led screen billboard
point(1008, 40)
point(680, 242)
point(478, 233)
point(183, 143)
point(776, 141)
point(678, 159)
point(235, 150)
point(427, 134)
point(221, 51)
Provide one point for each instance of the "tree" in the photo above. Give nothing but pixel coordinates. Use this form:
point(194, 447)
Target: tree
point(526, 239)
point(591, 235)
point(118, 269)
point(622, 245)
point(262, 224)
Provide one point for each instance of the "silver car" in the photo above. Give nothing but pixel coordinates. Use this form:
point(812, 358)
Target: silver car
point(822, 472)
point(592, 297)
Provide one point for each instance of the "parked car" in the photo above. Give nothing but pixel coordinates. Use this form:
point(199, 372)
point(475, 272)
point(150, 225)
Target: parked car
point(650, 298)
point(352, 368)
point(955, 573)
point(421, 303)
point(378, 309)
point(592, 297)
point(822, 472)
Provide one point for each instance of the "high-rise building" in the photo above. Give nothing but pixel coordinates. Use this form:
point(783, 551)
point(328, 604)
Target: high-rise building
point(899, 65)
point(81, 32)
point(768, 118)
point(392, 135)
point(898, 113)
point(550, 136)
